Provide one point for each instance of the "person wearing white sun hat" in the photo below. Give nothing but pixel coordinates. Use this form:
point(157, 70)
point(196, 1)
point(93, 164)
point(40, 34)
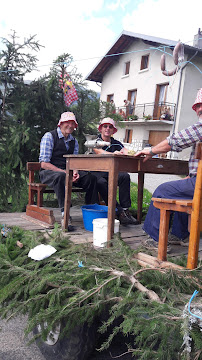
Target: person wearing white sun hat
point(53, 146)
point(182, 189)
point(107, 128)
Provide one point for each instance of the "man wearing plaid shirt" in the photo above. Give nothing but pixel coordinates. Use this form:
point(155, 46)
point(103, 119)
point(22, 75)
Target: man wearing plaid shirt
point(53, 146)
point(182, 189)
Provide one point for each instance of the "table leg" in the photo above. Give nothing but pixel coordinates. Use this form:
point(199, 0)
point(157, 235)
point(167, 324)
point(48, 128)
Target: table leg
point(140, 195)
point(112, 190)
point(68, 191)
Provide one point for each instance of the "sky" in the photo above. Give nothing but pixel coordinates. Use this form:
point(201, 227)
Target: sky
point(87, 29)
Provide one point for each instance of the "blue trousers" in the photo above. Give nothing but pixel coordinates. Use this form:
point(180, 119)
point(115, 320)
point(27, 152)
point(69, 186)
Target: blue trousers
point(180, 189)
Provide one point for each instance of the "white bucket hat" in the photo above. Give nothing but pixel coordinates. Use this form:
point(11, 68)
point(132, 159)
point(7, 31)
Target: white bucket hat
point(108, 121)
point(68, 116)
point(198, 99)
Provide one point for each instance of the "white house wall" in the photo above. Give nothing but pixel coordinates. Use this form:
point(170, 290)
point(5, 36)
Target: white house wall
point(191, 82)
point(144, 81)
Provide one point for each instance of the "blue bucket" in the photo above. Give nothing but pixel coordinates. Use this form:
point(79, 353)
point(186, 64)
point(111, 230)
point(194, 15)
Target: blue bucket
point(91, 212)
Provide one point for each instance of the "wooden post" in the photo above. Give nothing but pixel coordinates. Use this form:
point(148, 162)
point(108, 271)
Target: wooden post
point(196, 222)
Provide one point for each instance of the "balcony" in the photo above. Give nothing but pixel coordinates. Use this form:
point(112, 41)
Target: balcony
point(147, 111)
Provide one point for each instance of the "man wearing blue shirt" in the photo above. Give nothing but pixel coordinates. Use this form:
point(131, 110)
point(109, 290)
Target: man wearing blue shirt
point(107, 128)
point(53, 146)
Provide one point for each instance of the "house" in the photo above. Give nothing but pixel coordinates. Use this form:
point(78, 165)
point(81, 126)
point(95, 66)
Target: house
point(158, 104)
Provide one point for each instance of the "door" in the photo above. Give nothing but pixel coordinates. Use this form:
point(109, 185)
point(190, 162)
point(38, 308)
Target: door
point(156, 137)
point(160, 99)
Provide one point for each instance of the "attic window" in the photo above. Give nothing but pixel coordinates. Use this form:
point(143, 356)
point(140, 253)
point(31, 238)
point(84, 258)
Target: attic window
point(126, 68)
point(144, 62)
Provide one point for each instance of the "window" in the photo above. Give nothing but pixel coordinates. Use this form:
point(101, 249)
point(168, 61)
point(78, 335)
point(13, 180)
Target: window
point(128, 136)
point(126, 68)
point(144, 62)
point(110, 97)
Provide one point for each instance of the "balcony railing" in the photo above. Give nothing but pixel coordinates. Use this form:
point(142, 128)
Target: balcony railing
point(148, 111)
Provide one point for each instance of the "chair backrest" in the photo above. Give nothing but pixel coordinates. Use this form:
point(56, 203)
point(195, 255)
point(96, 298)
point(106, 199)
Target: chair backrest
point(197, 199)
point(33, 167)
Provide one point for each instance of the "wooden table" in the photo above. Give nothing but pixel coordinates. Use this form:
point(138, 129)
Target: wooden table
point(114, 164)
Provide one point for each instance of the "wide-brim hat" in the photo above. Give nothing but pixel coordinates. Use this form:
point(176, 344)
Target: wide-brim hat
point(198, 99)
point(108, 121)
point(68, 116)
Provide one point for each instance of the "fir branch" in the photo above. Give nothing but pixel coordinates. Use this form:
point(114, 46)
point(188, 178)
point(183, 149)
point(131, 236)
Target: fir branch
point(149, 293)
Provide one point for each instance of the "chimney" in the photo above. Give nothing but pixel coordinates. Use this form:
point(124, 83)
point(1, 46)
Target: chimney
point(198, 39)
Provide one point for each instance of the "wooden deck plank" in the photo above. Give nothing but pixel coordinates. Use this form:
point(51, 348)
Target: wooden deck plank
point(132, 234)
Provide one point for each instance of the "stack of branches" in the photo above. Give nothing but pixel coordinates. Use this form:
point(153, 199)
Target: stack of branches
point(148, 303)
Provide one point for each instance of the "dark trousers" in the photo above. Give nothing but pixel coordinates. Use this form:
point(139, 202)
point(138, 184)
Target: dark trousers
point(180, 189)
point(56, 180)
point(123, 184)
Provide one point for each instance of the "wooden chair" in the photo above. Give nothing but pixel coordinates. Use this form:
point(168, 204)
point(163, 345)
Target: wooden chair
point(37, 210)
point(191, 207)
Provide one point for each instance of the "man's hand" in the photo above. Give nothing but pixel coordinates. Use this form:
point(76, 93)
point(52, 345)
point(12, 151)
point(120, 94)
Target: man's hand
point(144, 152)
point(75, 176)
point(123, 151)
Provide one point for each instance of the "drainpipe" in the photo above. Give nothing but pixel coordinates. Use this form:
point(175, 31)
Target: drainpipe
point(179, 89)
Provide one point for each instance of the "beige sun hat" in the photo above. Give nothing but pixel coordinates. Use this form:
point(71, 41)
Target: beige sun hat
point(198, 99)
point(68, 116)
point(108, 121)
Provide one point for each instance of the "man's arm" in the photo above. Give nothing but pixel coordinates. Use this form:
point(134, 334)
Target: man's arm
point(161, 148)
point(123, 151)
point(49, 166)
point(100, 151)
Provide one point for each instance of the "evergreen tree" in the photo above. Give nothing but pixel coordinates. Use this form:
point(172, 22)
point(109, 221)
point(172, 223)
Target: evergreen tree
point(15, 62)
point(30, 110)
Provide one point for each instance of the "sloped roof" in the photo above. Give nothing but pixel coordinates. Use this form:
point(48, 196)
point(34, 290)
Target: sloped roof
point(125, 39)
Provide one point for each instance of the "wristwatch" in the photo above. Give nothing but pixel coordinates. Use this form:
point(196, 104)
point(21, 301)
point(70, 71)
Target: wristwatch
point(151, 152)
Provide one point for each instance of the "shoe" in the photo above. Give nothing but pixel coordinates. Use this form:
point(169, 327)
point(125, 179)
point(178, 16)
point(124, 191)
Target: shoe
point(174, 240)
point(124, 219)
point(151, 244)
point(185, 242)
point(70, 226)
point(134, 221)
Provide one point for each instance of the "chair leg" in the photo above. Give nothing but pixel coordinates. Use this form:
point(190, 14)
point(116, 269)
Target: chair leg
point(194, 239)
point(163, 234)
point(40, 197)
point(31, 196)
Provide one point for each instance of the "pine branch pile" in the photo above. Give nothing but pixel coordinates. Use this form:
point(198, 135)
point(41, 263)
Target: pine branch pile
point(147, 303)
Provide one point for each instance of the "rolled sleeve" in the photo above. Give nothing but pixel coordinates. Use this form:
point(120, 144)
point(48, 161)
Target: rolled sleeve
point(186, 138)
point(46, 148)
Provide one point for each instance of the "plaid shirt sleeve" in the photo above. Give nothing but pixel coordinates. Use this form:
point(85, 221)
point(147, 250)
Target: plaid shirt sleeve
point(76, 148)
point(187, 138)
point(46, 147)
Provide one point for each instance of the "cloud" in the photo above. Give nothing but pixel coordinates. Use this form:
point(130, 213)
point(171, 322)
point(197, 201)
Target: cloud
point(118, 4)
point(174, 20)
point(87, 29)
point(65, 27)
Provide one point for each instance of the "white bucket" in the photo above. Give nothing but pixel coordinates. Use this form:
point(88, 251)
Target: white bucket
point(100, 231)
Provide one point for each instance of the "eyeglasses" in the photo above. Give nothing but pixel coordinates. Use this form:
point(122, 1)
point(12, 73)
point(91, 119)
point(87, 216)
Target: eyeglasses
point(108, 126)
